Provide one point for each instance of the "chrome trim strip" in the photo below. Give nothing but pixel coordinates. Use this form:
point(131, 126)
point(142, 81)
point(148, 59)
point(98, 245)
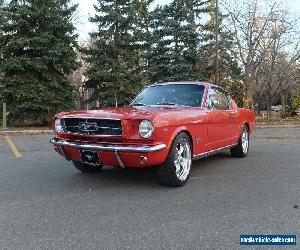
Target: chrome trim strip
point(109, 128)
point(96, 127)
point(92, 118)
point(212, 152)
point(138, 149)
point(83, 135)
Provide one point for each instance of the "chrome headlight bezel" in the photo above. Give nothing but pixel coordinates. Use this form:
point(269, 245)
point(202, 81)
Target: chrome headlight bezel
point(58, 125)
point(146, 129)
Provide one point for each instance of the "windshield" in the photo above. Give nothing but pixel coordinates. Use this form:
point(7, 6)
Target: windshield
point(171, 94)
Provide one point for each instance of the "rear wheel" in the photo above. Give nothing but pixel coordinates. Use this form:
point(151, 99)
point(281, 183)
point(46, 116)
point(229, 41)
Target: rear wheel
point(175, 170)
point(84, 167)
point(242, 148)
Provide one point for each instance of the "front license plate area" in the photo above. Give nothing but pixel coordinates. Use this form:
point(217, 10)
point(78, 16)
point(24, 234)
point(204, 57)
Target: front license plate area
point(89, 157)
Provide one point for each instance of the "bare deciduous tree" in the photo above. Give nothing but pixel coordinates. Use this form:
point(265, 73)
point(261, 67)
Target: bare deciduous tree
point(267, 46)
point(249, 26)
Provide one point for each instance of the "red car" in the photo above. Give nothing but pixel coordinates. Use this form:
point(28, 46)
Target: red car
point(167, 125)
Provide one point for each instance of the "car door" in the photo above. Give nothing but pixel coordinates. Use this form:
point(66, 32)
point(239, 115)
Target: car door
point(219, 127)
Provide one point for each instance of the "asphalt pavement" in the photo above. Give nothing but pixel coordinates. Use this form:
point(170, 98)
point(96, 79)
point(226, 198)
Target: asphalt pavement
point(45, 203)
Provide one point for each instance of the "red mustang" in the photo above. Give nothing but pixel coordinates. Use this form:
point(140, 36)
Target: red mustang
point(167, 125)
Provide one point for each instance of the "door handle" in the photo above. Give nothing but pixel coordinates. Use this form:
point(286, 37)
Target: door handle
point(234, 113)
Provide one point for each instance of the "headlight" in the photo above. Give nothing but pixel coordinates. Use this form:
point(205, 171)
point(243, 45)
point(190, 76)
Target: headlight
point(59, 125)
point(146, 129)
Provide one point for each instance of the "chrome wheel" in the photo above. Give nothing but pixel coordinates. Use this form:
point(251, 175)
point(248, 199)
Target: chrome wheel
point(242, 147)
point(183, 159)
point(245, 141)
point(175, 171)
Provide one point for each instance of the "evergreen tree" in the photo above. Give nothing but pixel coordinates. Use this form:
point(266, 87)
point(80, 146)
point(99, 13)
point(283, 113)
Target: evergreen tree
point(117, 51)
point(174, 53)
point(37, 45)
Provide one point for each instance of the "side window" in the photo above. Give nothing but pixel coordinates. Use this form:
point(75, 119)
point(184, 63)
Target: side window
point(217, 100)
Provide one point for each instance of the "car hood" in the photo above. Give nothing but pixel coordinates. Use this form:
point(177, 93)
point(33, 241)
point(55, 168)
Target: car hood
point(128, 113)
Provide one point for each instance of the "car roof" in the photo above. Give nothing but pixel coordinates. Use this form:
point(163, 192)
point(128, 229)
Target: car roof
point(205, 84)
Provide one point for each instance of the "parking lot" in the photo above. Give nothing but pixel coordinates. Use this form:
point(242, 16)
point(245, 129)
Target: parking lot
point(45, 203)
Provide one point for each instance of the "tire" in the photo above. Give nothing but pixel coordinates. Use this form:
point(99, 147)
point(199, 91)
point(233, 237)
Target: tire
point(175, 171)
point(242, 148)
point(86, 168)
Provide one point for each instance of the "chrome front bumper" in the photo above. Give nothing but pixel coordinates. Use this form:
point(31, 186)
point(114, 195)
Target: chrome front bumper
point(115, 148)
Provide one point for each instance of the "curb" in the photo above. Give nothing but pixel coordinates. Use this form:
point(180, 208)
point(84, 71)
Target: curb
point(276, 126)
point(26, 132)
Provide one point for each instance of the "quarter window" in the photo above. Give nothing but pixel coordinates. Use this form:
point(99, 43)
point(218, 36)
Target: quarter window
point(217, 99)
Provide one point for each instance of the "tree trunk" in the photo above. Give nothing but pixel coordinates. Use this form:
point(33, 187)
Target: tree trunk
point(283, 103)
point(269, 111)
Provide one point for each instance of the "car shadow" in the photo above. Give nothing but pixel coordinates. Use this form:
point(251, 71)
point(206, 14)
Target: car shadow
point(144, 177)
point(120, 177)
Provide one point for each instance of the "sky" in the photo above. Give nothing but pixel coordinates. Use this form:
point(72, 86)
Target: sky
point(86, 9)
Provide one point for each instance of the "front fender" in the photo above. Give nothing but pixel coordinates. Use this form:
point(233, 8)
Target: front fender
point(175, 132)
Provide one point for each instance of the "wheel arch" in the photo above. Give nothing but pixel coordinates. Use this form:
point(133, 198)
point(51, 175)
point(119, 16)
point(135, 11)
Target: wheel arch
point(177, 132)
point(190, 136)
point(247, 125)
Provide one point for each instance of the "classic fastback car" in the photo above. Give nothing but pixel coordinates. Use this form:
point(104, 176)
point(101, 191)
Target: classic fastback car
point(167, 125)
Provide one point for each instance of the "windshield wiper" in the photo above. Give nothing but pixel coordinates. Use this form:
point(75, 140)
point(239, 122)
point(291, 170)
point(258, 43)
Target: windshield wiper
point(166, 103)
point(138, 104)
point(159, 103)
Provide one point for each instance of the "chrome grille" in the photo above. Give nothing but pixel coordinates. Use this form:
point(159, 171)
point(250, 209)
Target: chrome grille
point(105, 127)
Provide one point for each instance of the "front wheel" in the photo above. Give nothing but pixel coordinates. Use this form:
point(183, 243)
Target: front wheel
point(84, 167)
point(242, 148)
point(175, 170)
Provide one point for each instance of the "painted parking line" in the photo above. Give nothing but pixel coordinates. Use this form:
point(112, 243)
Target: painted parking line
point(13, 147)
